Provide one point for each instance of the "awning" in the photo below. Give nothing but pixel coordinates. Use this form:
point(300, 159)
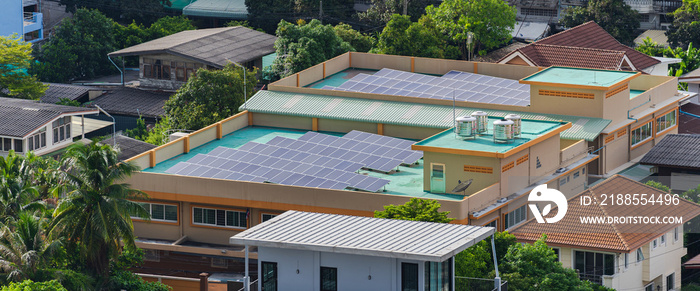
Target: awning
point(231, 9)
point(90, 125)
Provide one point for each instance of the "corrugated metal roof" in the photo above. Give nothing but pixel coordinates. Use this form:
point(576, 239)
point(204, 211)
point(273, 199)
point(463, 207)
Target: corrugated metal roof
point(417, 240)
point(230, 9)
point(19, 117)
point(675, 150)
point(399, 113)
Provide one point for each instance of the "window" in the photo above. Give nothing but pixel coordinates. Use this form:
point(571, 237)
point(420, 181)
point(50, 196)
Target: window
point(627, 260)
point(649, 287)
point(515, 217)
point(670, 280)
point(438, 276)
point(269, 276)
point(219, 217)
point(61, 129)
point(6, 144)
point(641, 133)
point(147, 68)
point(538, 12)
point(493, 223)
point(556, 252)
point(38, 140)
point(666, 121)
point(640, 255)
point(675, 234)
point(576, 175)
point(592, 265)
point(266, 217)
point(409, 277)
point(563, 181)
point(662, 239)
point(151, 255)
point(160, 212)
point(329, 279)
point(219, 263)
point(19, 145)
point(583, 171)
point(654, 244)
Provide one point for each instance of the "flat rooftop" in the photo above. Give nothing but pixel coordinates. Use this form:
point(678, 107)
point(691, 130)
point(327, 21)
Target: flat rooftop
point(407, 181)
point(579, 77)
point(531, 129)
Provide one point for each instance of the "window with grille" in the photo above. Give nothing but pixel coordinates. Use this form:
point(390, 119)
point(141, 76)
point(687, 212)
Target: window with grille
point(219, 217)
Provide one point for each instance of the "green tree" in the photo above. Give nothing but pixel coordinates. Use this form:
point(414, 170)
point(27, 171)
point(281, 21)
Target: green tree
point(359, 41)
point(650, 48)
point(692, 194)
point(123, 279)
point(381, 11)
point(615, 16)
point(68, 102)
point(17, 189)
point(477, 260)
point(15, 59)
point(210, 96)
point(489, 20)
point(78, 48)
point(266, 14)
point(168, 25)
point(690, 60)
point(24, 251)
point(25, 285)
point(417, 210)
point(418, 39)
point(94, 216)
point(303, 45)
point(685, 28)
point(658, 185)
point(125, 11)
point(243, 23)
point(159, 133)
point(140, 132)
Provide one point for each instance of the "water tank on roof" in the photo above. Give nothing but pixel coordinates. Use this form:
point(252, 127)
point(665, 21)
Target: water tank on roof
point(503, 131)
point(482, 121)
point(517, 124)
point(466, 126)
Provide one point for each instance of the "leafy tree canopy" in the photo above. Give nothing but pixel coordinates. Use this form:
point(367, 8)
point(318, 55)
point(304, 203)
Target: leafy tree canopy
point(359, 41)
point(615, 16)
point(303, 45)
point(266, 14)
point(658, 185)
point(381, 11)
point(489, 20)
point(417, 210)
point(685, 28)
point(125, 11)
point(477, 260)
point(209, 97)
point(52, 285)
point(418, 39)
point(15, 59)
point(78, 48)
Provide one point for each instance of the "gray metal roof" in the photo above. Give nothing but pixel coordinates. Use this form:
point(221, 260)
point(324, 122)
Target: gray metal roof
point(213, 46)
point(675, 150)
point(128, 147)
point(133, 102)
point(400, 113)
point(416, 240)
point(55, 92)
point(230, 9)
point(19, 117)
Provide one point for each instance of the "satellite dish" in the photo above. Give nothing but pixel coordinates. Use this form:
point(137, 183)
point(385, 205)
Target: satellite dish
point(462, 186)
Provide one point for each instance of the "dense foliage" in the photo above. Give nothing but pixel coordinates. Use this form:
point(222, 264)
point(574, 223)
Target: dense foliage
point(685, 28)
point(417, 210)
point(381, 11)
point(690, 58)
point(418, 39)
point(125, 11)
point(615, 16)
point(15, 58)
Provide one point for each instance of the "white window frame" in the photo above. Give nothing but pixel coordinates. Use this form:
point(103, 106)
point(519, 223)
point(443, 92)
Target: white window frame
point(676, 233)
point(663, 118)
point(57, 127)
point(654, 244)
point(236, 212)
point(640, 255)
point(627, 260)
point(37, 137)
point(262, 216)
point(662, 239)
point(149, 207)
point(523, 213)
point(640, 133)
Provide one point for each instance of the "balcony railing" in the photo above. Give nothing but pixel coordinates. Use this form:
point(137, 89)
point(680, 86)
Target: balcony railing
point(30, 17)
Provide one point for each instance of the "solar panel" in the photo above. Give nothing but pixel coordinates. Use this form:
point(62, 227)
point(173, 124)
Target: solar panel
point(384, 146)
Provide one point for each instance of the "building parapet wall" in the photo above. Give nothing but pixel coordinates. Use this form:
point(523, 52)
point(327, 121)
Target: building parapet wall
point(484, 197)
point(573, 153)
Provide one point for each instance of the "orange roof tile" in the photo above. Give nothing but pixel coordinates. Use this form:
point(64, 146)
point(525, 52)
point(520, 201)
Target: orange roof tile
point(544, 55)
point(616, 237)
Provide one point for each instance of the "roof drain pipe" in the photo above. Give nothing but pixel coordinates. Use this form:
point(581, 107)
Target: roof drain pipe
point(497, 280)
point(690, 114)
point(121, 72)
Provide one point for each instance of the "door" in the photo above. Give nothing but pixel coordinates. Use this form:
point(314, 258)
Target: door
point(437, 178)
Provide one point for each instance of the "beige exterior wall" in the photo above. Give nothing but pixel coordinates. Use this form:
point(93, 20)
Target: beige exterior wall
point(567, 105)
point(613, 104)
point(454, 170)
point(548, 154)
point(572, 152)
point(378, 62)
point(282, 121)
point(616, 152)
point(337, 64)
point(410, 132)
point(517, 177)
point(333, 125)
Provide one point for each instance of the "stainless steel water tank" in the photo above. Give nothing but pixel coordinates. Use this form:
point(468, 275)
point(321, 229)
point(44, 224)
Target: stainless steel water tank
point(503, 131)
point(482, 121)
point(465, 126)
point(517, 124)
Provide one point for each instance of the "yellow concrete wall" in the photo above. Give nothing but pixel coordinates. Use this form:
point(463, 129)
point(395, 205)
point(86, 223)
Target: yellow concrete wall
point(548, 153)
point(334, 125)
point(143, 161)
point(378, 62)
point(454, 170)
point(410, 132)
point(202, 136)
point(337, 64)
point(616, 152)
point(566, 105)
point(234, 123)
point(283, 121)
point(573, 153)
point(514, 72)
point(516, 178)
point(440, 66)
point(483, 197)
point(613, 106)
point(144, 229)
point(170, 150)
point(311, 75)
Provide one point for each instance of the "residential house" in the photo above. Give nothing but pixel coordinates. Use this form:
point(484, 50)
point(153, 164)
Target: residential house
point(22, 17)
point(692, 78)
point(27, 125)
point(295, 252)
point(56, 91)
point(588, 46)
point(128, 104)
point(166, 63)
point(367, 114)
point(676, 160)
point(623, 256)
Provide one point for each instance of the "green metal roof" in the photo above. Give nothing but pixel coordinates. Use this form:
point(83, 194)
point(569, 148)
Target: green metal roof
point(231, 9)
point(399, 113)
point(179, 4)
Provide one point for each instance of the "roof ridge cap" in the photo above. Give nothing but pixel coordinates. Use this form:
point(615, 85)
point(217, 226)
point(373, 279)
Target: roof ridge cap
point(579, 47)
point(617, 232)
point(223, 29)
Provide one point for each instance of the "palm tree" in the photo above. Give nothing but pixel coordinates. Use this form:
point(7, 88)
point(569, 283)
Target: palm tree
point(95, 213)
point(17, 191)
point(24, 252)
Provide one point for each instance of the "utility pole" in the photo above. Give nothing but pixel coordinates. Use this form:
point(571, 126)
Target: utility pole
point(320, 11)
point(405, 7)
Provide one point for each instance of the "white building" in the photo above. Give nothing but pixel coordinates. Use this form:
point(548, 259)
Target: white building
point(314, 251)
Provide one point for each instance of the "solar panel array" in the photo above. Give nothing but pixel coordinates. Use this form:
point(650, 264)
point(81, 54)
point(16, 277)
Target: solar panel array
point(314, 160)
point(462, 85)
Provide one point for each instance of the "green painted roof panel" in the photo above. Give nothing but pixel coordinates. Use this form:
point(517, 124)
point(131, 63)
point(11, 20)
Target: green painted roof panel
point(231, 9)
point(400, 113)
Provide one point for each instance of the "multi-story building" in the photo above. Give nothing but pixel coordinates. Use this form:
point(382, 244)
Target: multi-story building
point(232, 175)
point(24, 18)
point(621, 255)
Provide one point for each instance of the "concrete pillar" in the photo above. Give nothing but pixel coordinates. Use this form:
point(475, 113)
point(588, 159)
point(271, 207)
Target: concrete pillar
point(204, 282)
